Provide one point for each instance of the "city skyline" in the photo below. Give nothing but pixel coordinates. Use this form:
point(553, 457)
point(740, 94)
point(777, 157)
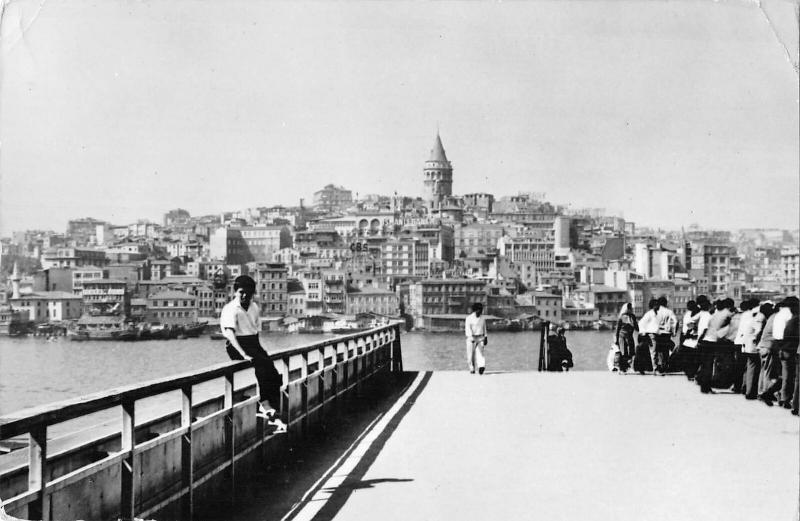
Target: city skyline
point(667, 111)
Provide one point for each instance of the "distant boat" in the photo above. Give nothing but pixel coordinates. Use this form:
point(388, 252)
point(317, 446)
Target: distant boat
point(194, 330)
point(78, 336)
point(347, 330)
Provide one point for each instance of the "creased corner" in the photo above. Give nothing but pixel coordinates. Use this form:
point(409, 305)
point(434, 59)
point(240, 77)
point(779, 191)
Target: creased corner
point(18, 33)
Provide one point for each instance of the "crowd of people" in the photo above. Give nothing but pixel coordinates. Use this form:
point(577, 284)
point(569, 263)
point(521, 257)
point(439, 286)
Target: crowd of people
point(750, 349)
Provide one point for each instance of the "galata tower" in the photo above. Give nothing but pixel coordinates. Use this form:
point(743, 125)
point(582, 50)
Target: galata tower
point(438, 173)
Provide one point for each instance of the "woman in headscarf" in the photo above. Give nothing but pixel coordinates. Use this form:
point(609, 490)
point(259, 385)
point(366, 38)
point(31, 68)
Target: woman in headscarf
point(626, 325)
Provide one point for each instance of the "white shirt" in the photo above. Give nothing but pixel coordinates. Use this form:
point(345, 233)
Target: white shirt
point(703, 318)
point(242, 321)
point(649, 323)
point(745, 327)
point(475, 326)
point(687, 321)
point(756, 323)
point(666, 321)
point(779, 324)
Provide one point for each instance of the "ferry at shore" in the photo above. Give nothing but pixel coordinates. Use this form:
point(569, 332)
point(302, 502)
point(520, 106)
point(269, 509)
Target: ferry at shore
point(106, 328)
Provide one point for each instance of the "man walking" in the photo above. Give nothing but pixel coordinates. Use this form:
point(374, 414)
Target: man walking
point(240, 322)
point(475, 330)
point(667, 323)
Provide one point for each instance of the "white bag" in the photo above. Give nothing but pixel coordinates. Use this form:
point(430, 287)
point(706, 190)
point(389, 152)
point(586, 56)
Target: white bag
point(612, 353)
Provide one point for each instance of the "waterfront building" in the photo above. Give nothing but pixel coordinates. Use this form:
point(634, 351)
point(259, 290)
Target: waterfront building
point(106, 297)
point(48, 306)
point(138, 311)
point(271, 288)
point(332, 198)
point(500, 302)
point(438, 174)
point(578, 313)
point(372, 300)
point(13, 321)
point(606, 299)
point(444, 297)
point(548, 305)
point(172, 307)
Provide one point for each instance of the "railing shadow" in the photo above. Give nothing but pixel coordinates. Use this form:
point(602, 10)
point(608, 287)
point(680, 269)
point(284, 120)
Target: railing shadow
point(283, 489)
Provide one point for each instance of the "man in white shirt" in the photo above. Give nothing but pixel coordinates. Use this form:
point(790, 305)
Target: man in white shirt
point(475, 331)
point(649, 326)
point(240, 322)
point(667, 325)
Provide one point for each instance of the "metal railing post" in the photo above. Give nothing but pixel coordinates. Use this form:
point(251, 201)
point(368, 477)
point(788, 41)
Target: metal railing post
point(37, 473)
point(230, 435)
point(128, 474)
point(187, 460)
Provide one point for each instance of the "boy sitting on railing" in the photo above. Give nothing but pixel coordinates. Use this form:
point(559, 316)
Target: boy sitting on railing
point(240, 322)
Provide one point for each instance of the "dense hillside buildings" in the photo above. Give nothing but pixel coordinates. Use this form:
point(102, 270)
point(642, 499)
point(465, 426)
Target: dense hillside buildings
point(429, 257)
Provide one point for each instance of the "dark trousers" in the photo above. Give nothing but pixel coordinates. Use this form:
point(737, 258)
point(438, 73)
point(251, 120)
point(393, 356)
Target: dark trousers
point(739, 367)
point(770, 378)
point(751, 374)
point(796, 394)
point(659, 351)
point(706, 351)
point(627, 348)
point(787, 375)
point(690, 360)
point(268, 378)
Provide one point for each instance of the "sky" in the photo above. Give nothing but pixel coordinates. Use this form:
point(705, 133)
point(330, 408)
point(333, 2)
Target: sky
point(670, 112)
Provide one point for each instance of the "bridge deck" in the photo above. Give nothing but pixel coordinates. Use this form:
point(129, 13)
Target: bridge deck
point(565, 446)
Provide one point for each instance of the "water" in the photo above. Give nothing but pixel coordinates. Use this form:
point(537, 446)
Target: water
point(35, 371)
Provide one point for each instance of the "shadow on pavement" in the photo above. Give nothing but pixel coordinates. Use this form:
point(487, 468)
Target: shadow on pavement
point(353, 484)
point(282, 486)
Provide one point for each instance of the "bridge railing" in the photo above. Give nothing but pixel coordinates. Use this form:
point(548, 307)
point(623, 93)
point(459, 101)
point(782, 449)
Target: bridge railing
point(136, 477)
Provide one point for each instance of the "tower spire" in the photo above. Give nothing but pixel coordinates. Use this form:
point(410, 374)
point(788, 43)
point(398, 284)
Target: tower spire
point(15, 278)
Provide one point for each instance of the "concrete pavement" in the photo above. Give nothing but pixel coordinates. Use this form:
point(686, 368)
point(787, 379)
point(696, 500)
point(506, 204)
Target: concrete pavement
point(580, 445)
